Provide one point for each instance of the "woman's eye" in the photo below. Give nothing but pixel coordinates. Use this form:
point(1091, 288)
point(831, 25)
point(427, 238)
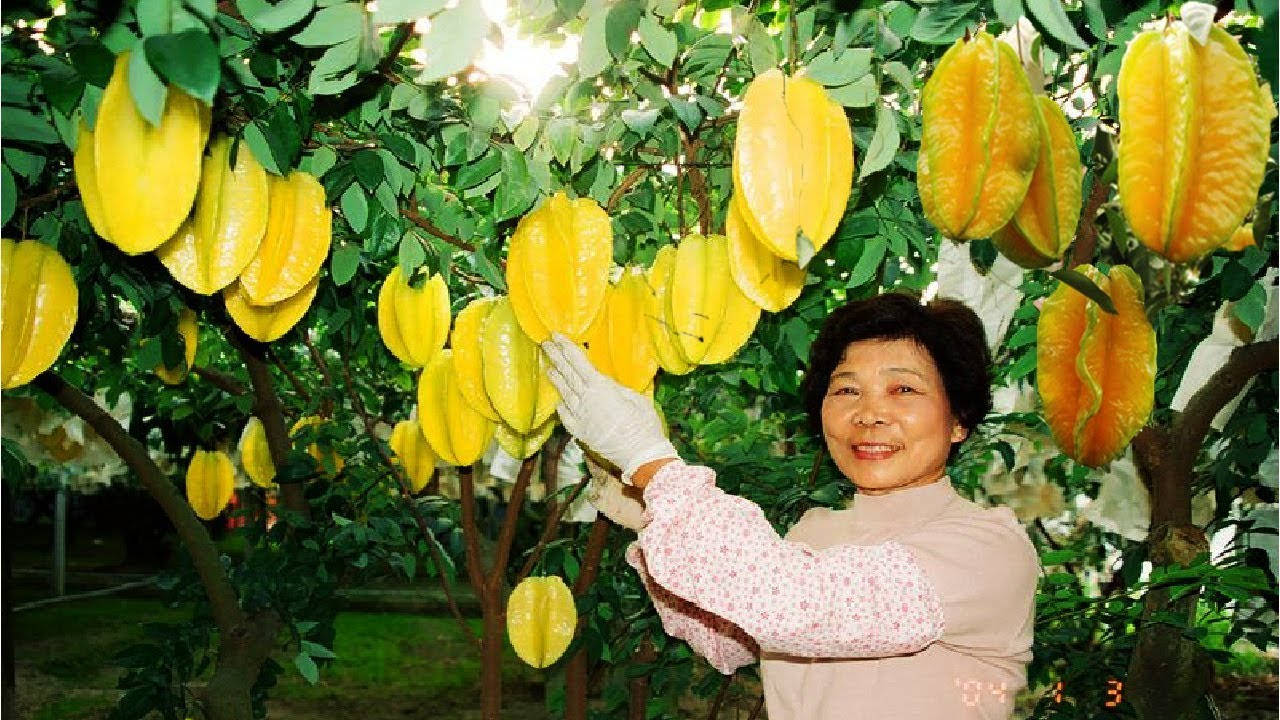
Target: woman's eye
point(905, 389)
point(841, 391)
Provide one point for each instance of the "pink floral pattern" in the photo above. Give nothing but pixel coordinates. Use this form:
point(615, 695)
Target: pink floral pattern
point(715, 559)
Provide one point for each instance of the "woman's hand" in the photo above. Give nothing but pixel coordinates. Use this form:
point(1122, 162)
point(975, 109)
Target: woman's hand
point(618, 423)
point(607, 493)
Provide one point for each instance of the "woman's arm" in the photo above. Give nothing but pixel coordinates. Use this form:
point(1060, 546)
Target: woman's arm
point(718, 552)
point(645, 472)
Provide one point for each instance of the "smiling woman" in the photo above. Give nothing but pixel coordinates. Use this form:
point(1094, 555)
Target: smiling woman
point(913, 602)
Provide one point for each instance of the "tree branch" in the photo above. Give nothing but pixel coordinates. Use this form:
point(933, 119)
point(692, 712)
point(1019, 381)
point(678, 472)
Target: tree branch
point(317, 357)
point(266, 405)
point(407, 496)
point(1192, 424)
point(549, 531)
point(507, 535)
point(1087, 234)
point(471, 532)
point(430, 227)
point(292, 377)
point(204, 554)
point(630, 180)
point(220, 380)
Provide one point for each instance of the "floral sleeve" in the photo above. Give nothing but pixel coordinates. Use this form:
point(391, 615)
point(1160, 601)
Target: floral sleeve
point(720, 554)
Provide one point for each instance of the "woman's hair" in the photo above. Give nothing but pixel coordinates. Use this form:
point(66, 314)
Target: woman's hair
point(948, 330)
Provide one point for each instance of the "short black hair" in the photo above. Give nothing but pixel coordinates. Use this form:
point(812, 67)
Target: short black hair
point(947, 329)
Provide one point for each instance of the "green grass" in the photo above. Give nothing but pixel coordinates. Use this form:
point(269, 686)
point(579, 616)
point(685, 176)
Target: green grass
point(408, 663)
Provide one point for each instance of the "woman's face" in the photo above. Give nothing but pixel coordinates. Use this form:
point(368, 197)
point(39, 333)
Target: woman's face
point(886, 416)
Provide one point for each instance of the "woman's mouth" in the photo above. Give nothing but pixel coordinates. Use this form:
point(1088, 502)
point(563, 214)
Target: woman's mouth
point(874, 451)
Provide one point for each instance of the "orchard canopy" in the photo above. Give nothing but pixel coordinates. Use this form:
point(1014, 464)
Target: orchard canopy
point(285, 267)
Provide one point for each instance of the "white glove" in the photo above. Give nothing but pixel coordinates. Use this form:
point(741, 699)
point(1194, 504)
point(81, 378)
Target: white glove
point(618, 423)
point(617, 501)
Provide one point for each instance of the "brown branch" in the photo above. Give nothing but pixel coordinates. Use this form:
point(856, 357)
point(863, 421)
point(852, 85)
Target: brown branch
point(53, 194)
point(266, 405)
point(714, 713)
point(628, 181)
point(220, 380)
point(406, 495)
point(204, 554)
point(1087, 233)
point(430, 227)
point(549, 531)
point(1053, 543)
point(1191, 426)
point(697, 182)
point(471, 532)
point(292, 377)
point(507, 535)
point(317, 357)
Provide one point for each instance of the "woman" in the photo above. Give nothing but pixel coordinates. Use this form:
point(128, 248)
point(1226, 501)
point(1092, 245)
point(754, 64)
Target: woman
point(912, 603)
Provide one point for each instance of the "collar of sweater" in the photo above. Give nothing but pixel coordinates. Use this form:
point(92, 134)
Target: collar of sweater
point(903, 507)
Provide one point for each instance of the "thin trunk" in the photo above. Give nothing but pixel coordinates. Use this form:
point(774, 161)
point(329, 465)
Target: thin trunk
point(10, 672)
point(491, 658)
point(575, 672)
point(1168, 673)
point(638, 687)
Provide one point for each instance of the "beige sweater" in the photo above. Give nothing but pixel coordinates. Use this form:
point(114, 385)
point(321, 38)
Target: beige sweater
point(914, 605)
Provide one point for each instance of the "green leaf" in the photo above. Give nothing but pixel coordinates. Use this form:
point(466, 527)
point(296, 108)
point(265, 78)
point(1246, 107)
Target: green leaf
point(1052, 16)
point(832, 69)
point(343, 264)
point(525, 132)
point(8, 195)
point(472, 174)
point(569, 9)
point(267, 18)
point(517, 191)
point(454, 40)
point(257, 143)
point(640, 122)
point(859, 93)
point(593, 51)
point(1008, 11)
point(621, 21)
point(368, 168)
point(562, 134)
point(155, 17)
point(322, 160)
point(187, 59)
point(24, 125)
point(25, 164)
point(334, 71)
point(762, 50)
point(900, 74)
point(868, 262)
point(307, 667)
point(688, 112)
point(1096, 18)
point(147, 90)
point(400, 11)
point(411, 255)
point(317, 650)
point(884, 143)
point(1252, 308)
point(332, 25)
point(944, 23)
point(658, 41)
point(355, 207)
point(1086, 287)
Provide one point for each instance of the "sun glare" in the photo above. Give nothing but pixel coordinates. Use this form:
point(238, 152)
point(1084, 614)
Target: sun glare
point(527, 63)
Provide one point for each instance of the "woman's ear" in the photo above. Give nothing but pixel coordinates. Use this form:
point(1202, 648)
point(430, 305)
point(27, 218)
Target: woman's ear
point(958, 433)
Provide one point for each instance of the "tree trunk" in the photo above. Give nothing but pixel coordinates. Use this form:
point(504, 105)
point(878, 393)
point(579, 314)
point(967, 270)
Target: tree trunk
point(1168, 673)
point(240, 659)
point(491, 657)
point(575, 672)
point(9, 661)
point(638, 686)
